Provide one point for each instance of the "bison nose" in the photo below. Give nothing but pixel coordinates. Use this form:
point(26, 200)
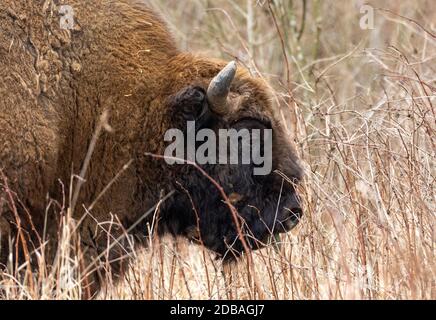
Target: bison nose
point(293, 216)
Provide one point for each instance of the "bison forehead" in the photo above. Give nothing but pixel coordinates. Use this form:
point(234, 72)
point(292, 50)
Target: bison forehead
point(249, 96)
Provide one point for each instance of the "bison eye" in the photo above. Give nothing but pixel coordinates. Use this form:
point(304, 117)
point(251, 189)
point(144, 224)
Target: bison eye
point(251, 123)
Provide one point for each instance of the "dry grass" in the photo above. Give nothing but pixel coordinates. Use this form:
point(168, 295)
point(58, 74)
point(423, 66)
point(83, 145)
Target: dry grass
point(359, 104)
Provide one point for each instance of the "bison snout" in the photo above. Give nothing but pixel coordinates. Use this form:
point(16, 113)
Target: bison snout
point(292, 218)
point(291, 213)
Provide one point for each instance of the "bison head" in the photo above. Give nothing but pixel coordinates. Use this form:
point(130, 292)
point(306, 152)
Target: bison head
point(265, 204)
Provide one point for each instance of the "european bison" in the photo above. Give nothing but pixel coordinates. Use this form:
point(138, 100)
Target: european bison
point(58, 75)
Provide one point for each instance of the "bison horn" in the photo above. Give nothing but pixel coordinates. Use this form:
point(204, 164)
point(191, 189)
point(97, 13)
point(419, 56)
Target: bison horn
point(219, 89)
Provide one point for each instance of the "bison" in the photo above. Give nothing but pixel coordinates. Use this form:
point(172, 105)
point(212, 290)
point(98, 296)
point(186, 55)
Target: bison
point(60, 73)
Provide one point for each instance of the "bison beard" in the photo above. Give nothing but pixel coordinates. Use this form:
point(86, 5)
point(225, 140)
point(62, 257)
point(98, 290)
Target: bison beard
point(217, 230)
point(54, 86)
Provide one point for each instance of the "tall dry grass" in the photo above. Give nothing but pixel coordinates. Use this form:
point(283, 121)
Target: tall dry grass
point(360, 106)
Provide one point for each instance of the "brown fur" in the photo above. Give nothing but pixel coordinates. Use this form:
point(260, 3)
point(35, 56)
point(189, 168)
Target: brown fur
point(54, 85)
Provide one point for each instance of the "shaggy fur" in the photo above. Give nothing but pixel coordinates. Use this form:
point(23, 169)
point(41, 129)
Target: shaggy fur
point(120, 57)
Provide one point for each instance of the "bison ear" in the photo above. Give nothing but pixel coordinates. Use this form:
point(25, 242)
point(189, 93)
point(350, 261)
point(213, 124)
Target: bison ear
point(191, 102)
